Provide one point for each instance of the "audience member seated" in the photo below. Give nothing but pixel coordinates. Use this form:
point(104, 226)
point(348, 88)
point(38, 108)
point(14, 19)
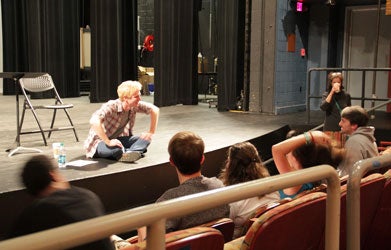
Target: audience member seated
point(186, 150)
point(244, 164)
point(259, 211)
point(361, 142)
point(57, 202)
point(302, 151)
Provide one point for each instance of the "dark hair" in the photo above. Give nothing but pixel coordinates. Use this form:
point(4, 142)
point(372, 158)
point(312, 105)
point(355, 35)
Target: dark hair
point(310, 155)
point(356, 115)
point(242, 164)
point(186, 150)
point(36, 173)
point(330, 78)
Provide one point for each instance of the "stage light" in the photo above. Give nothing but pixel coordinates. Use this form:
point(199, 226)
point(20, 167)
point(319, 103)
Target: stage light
point(331, 2)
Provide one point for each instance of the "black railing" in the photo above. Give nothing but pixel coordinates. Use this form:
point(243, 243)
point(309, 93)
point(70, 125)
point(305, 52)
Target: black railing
point(363, 98)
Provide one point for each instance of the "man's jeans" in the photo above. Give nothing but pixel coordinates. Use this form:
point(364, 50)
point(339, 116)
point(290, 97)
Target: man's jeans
point(130, 143)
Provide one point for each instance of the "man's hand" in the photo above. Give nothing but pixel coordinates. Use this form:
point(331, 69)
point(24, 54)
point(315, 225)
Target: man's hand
point(115, 143)
point(146, 136)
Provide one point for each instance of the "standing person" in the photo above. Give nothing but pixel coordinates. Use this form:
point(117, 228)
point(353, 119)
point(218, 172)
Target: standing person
point(186, 150)
point(244, 164)
point(111, 136)
point(361, 142)
point(334, 100)
point(303, 151)
point(57, 202)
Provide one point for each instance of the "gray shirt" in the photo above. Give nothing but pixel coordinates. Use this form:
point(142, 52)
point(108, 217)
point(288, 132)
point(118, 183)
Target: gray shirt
point(360, 145)
point(193, 186)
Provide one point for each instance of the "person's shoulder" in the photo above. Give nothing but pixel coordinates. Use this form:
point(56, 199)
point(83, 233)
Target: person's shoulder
point(145, 104)
point(144, 107)
point(273, 196)
point(109, 105)
point(111, 102)
point(75, 194)
point(364, 131)
point(83, 192)
point(170, 194)
point(213, 182)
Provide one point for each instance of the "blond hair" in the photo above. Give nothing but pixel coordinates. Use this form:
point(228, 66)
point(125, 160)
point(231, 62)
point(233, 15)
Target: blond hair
point(127, 89)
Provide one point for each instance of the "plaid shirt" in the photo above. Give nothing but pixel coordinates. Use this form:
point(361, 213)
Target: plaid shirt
point(111, 114)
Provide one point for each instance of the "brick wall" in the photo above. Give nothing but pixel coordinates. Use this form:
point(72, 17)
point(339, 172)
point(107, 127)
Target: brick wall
point(290, 68)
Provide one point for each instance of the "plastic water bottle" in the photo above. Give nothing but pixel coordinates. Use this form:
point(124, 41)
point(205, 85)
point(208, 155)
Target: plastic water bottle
point(61, 156)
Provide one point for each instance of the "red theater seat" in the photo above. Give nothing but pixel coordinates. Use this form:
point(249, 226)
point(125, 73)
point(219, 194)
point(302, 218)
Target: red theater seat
point(298, 224)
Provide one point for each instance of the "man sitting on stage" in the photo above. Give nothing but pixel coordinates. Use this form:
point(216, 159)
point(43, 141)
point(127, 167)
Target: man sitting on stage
point(57, 202)
point(111, 135)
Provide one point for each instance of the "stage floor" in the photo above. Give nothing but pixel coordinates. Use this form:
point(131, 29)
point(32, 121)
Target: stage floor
point(125, 185)
point(218, 129)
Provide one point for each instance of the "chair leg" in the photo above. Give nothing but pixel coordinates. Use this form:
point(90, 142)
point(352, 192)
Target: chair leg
point(52, 123)
point(70, 121)
point(40, 128)
point(39, 124)
point(20, 125)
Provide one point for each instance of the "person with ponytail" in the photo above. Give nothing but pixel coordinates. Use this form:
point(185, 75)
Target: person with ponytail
point(244, 164)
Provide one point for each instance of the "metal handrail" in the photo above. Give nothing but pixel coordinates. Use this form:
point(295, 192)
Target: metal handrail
point(353, 196)
point(155, 215)
point(362, 98)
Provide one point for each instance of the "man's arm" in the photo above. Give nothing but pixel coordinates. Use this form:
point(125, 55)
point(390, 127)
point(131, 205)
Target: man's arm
point(153, 124)
point(97, 125)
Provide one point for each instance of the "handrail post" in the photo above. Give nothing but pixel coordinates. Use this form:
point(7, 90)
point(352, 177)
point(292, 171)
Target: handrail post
point(333, 204)
point(353, 197)
point(363, 88)
point(308, 94)
point(156, 234)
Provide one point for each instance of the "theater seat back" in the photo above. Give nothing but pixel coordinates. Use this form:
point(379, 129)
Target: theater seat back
point(298, 224)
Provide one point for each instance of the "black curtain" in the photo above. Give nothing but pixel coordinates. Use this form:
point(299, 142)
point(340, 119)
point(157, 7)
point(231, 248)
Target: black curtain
point(113, 48)
point(230, 50)
point(14, 41)
point(175, 51)
point(43, 36)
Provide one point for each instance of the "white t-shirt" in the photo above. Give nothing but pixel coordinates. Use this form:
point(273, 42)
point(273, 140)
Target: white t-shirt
point(240, 211)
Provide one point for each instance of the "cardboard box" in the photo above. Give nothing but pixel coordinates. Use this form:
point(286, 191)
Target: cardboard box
point(146, 76)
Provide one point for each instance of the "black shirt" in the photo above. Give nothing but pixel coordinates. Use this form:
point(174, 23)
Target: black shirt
point(60, 208)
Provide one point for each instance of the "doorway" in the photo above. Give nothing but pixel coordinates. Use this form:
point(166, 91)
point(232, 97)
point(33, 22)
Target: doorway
point(207, 60)
point(360, 49)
